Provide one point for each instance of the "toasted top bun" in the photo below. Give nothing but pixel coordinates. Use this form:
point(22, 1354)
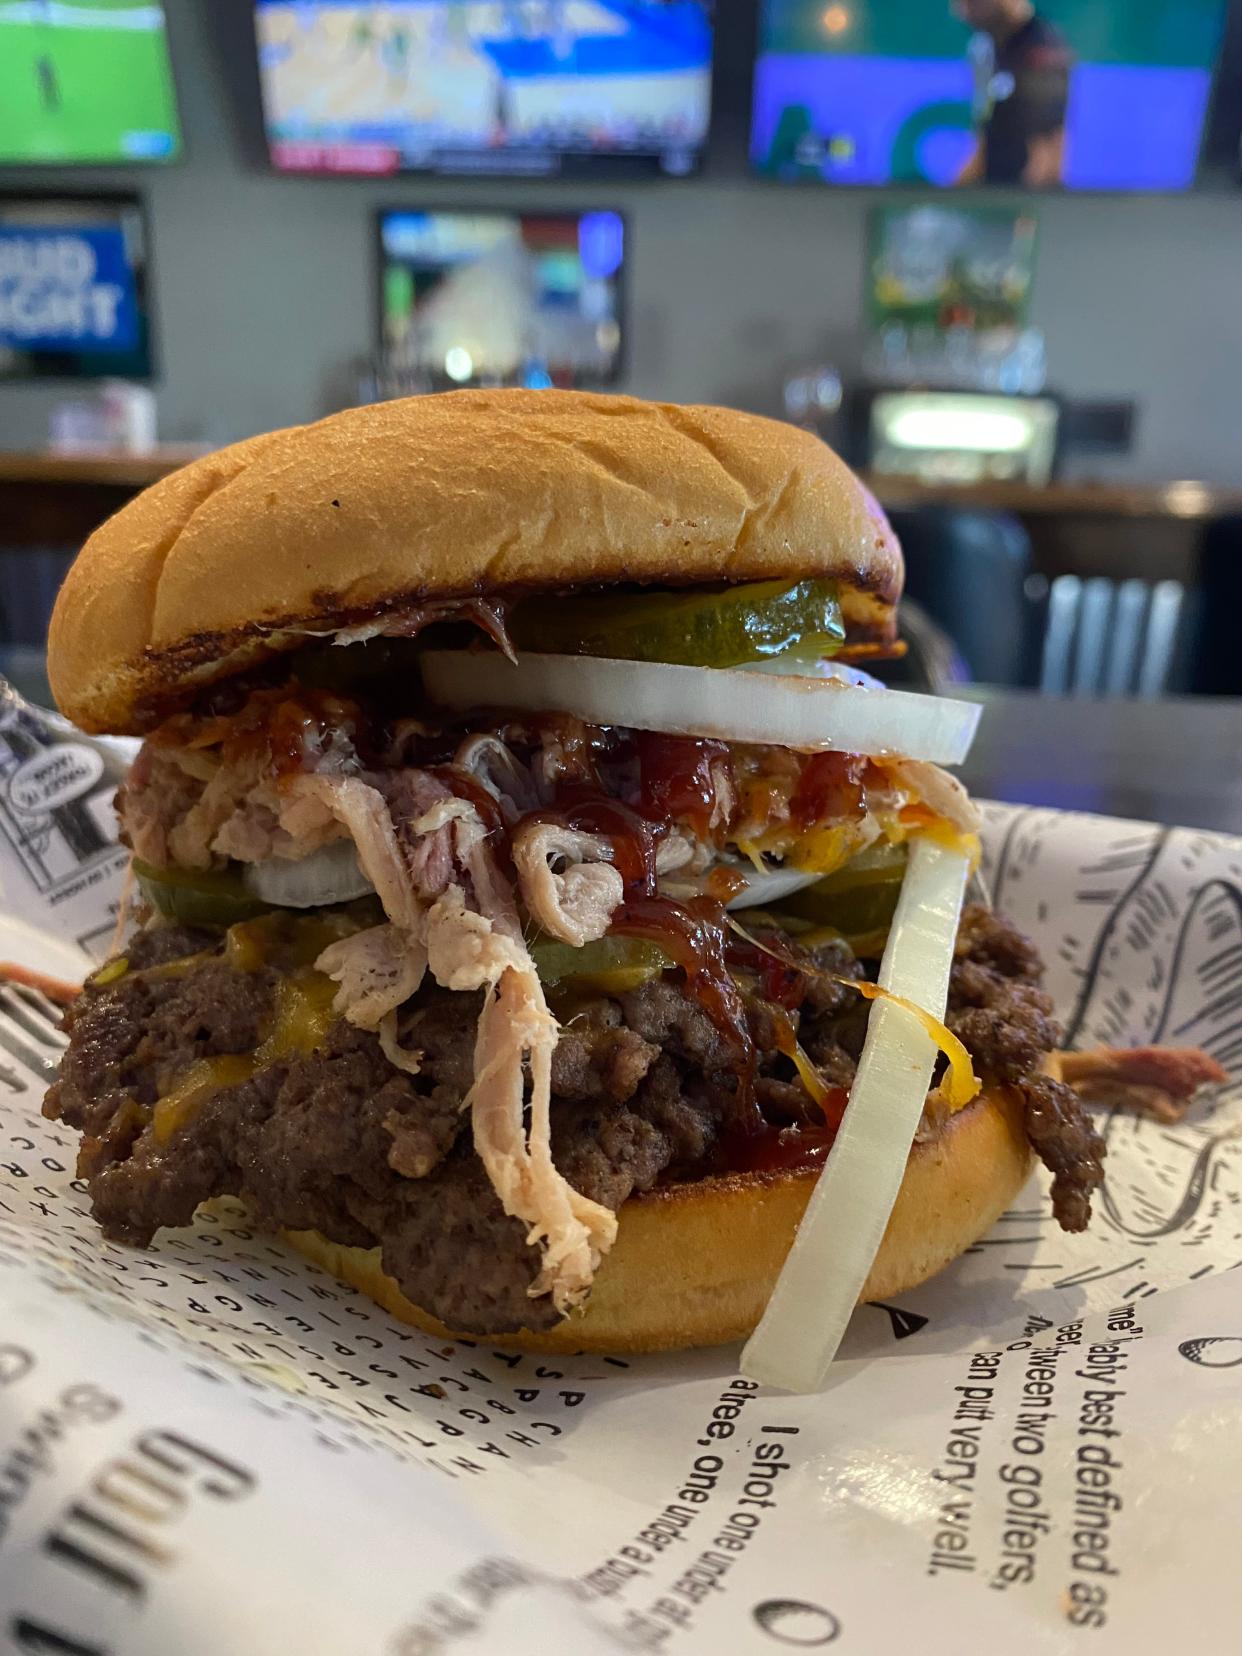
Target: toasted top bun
point(368, 513)
point(695, 1264)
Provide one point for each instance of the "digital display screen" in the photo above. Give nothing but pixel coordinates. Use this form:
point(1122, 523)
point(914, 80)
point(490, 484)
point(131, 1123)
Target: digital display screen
point(1064, 94)
point(85, 81)
point(503, 298)
point(73, 300)
point(484, 86)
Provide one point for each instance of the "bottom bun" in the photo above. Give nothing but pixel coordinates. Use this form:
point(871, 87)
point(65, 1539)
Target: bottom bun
point(694, 1264)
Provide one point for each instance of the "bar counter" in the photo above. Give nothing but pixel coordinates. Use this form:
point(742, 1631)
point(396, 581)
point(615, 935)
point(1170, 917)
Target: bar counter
point(40, 490)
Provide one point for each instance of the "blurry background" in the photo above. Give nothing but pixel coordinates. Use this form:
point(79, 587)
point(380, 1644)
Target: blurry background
point(988, 249)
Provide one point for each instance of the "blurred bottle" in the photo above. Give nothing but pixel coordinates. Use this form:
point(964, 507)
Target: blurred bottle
point(812, 398)
point(129, 416)
point(121, 417)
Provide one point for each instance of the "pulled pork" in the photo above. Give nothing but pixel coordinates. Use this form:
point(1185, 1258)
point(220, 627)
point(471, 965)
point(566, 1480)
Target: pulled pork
point(1159, 1082)
point(559, 821)
point(443, 1115)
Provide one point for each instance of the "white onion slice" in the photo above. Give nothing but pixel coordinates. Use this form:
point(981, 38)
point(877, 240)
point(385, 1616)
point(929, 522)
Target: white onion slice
point(770, 887)
point(789, 666)
point(805, 713)
point(844, 1223)
point(330, 875)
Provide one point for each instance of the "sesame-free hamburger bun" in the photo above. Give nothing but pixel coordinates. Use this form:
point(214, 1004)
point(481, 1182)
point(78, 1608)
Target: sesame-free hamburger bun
point(473, 493)
point(695, 1264)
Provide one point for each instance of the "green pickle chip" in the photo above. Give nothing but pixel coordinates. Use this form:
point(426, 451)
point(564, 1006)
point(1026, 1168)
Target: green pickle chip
point(609, 964)
point(859, 900)
point(206, 899)
point(722, 627)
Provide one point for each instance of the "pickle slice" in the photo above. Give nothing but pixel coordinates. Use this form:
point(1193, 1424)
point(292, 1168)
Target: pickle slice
point(722, 627)
point(859, 900)
point(609, 966)
point(206, 899)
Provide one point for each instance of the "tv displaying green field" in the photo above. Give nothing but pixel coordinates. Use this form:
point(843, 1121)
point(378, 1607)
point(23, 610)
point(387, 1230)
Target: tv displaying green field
point(85, 81)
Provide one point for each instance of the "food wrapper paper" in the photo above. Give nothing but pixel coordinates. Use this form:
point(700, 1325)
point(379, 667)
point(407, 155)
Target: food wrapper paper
point(211, 1446)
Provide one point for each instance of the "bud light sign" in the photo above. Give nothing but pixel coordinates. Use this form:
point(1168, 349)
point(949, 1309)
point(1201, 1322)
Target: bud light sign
point(66, 289)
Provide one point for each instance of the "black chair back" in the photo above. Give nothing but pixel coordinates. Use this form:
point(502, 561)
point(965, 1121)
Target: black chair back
point(1214, 653)
point(968, 570)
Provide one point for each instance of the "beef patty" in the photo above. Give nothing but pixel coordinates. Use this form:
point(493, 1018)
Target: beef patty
point(645, 1091)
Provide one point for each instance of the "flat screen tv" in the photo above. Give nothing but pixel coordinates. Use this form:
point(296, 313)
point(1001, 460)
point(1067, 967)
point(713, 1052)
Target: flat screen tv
point(503, 297)
point(85, 81)
point(1060, 94)
point(74, 300)
point(532, 87)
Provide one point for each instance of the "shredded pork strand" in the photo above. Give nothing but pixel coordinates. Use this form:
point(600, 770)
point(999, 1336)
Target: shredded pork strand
point(363, 811)
point(678, 850)
point(471, 939)
point(568, 883)
point(446, 810)
point(161, 793)
point(464, 949)
point(398, 1056)
point(1160, 1082)
point(572, 1231)
point(724, 797)
point(495, 767)
point(377, 970)
point(186, 807)
point(941, 792)
point(571, 1251)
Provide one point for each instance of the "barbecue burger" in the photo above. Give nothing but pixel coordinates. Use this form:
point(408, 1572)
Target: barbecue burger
point(535, 891)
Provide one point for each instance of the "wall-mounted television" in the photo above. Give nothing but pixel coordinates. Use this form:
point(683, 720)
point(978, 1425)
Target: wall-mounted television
point(74, 297)
point(528, 87)
point(85, 81)
point(1063, 94)
point(531, 298)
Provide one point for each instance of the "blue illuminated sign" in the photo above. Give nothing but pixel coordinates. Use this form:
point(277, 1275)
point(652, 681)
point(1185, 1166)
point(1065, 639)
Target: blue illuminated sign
point(601, 243)
point(65, 289)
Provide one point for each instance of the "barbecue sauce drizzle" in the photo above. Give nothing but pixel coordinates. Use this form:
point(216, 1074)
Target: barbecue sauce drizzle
point(676, 779)
point(298, 726)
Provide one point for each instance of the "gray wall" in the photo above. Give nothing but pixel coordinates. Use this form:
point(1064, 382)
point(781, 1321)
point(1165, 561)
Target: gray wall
point(265, 285)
